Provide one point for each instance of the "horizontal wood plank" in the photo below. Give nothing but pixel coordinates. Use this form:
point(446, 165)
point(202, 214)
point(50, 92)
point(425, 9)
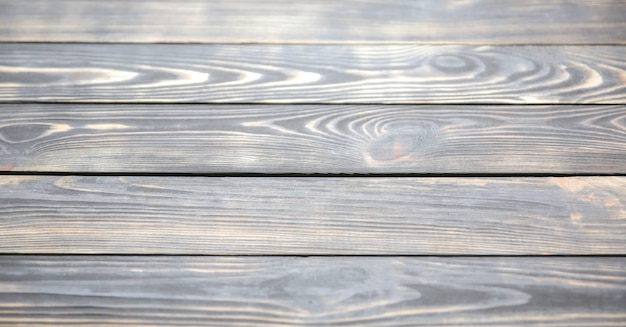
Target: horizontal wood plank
point(310, 215)
point(319, 291)
point(279, 21)
point(313, 138)
point(312, 73)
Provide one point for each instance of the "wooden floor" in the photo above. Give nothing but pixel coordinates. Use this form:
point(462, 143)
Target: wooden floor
point(323, 163)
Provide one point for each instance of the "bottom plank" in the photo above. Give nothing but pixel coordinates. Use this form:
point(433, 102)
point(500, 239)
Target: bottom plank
point(364, 291)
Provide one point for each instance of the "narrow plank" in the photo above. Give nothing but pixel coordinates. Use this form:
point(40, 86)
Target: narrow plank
point(279, 21)
point(308, 216)
point(319, 291)
point(313, 138)
point(312, 73)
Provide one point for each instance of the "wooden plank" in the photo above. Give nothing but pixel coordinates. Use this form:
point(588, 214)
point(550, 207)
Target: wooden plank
point(313, 138)
point(310, 215)
point(312, 73)
point(319, 291)
point(279, 21)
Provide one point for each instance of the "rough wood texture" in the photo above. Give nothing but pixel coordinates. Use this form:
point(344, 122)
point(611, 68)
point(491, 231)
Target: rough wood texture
point(355, 86)
point(280, 21)
point(313, 73)
point(253, 291)
point(198, 215)
point(313, 138)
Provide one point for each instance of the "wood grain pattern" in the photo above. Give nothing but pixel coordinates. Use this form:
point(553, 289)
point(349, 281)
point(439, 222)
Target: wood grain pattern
point(313, 138)
point(280, 21)
point(313, 291)
point(344, 87)
point(310, 215)
point(312, 73)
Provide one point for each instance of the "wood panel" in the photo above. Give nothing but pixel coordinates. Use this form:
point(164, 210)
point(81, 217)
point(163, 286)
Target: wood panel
point(313, 138)
point(281, 21)
point(312, 73)
point(320, 291)
point(310, 215)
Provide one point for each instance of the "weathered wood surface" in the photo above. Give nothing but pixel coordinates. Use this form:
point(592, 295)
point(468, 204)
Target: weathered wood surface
point(357, 86)
point(313, 138)
point(312, 73)
point(279, 21)
point(310, 215)
point(313, 291)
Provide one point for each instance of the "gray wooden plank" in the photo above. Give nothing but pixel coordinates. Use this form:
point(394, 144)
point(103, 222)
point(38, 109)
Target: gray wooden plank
point(313, 138)
point(310, 215)
point(279, 21)
point(312, 73)
point(319, 291)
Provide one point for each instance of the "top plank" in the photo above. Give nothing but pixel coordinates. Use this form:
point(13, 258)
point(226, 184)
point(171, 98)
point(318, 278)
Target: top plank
point(322, 21)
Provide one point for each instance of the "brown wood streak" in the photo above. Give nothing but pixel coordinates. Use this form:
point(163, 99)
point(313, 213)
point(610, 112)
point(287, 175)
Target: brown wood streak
point(313, 138)
point(320, 291)
point(277, 21)
point(310, 215)
point(312, 73)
